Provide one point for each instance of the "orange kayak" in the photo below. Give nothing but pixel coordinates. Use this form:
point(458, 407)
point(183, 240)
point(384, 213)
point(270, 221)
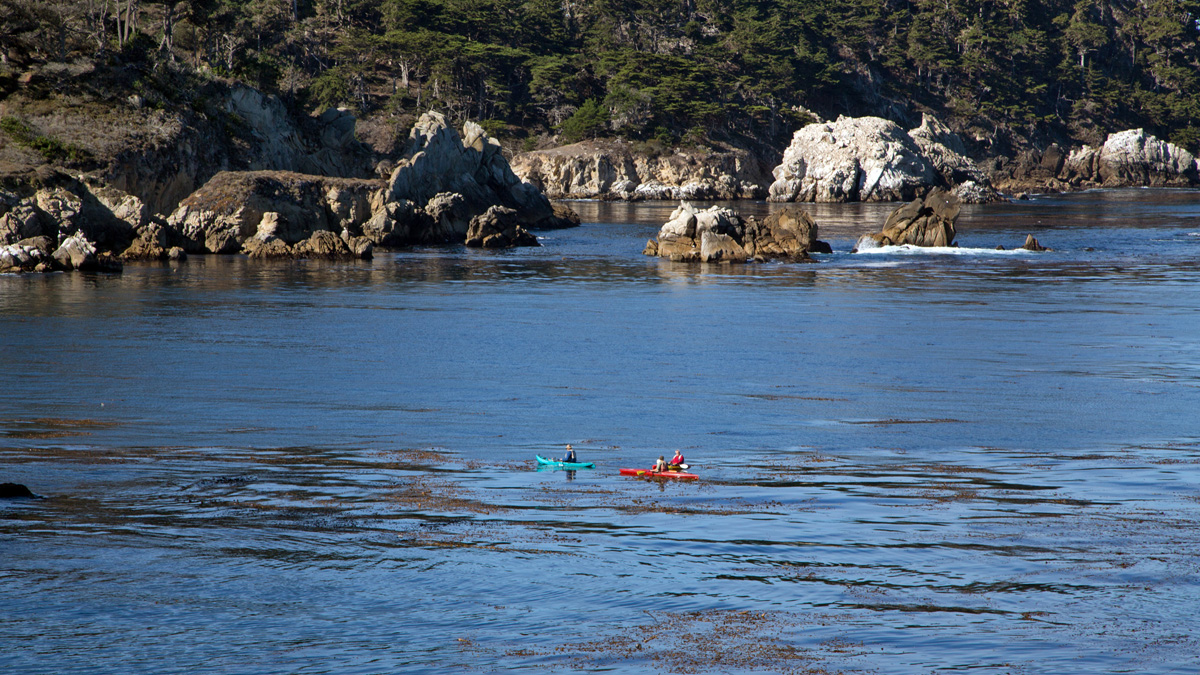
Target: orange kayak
point(650, 473)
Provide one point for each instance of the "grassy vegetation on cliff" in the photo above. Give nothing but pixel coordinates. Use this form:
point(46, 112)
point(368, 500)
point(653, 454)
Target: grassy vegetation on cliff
point(1007, 72)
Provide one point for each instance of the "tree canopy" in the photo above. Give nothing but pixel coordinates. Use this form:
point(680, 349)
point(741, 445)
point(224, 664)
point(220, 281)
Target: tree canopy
point(1003, 71)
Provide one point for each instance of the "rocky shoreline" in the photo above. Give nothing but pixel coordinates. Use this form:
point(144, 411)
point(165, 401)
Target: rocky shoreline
point(268, 185)
point(855, 159)
point(448, 187)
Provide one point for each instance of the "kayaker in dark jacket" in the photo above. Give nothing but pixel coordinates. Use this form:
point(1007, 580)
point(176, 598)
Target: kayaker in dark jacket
point(676, 460)
point(570, 454)
point(661, 464)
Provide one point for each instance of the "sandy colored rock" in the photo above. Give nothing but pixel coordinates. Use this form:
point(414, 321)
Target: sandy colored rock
point(921, 222)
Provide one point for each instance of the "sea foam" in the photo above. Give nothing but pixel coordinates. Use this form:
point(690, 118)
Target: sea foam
point(909, 249)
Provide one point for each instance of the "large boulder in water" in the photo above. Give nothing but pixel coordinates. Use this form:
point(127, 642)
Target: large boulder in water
point(871, 159)
point(921, 222)
point(498, 227)
point(718, 234)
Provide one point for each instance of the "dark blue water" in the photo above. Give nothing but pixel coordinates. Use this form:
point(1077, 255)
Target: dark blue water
point(910, 461)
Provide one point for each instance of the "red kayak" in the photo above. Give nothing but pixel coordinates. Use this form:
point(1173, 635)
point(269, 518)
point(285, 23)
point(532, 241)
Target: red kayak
point(650, 473)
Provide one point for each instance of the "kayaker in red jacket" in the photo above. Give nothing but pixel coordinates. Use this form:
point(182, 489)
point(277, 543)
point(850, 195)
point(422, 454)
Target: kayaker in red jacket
point(676, 460)
point(570, 454)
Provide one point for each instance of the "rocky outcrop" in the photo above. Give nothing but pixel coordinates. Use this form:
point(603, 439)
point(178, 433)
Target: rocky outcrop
point(718, 234)
point(852, 159)
point(1130, 158)
point(445, 182)
point(455, 178)
point(873, 159)
point(921, 222)
point(498, 227)
point(25, 257)
point(236, 206)
point(1032, 244)
point(615, 169)
point(67, 224)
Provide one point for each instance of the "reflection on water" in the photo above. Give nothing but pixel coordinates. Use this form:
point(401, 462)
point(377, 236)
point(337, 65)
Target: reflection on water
point(909, 463)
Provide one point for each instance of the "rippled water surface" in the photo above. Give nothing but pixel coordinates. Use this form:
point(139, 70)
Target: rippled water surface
point(910, 461)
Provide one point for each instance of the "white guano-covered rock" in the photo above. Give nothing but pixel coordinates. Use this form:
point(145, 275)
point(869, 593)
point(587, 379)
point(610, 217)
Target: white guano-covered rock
point(1133, 157)
point(852, 159)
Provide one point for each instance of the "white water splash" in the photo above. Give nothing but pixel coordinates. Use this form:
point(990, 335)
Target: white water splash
point(909, 249)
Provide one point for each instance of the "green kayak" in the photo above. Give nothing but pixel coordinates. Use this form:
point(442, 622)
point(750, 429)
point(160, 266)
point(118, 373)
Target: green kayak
point(542, 461)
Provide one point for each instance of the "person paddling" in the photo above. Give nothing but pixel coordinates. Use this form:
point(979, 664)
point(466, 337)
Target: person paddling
point(570, 455)
point(677, 461)
point(661, 465)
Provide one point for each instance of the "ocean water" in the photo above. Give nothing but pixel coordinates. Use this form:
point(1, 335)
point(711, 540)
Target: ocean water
point(910, 461)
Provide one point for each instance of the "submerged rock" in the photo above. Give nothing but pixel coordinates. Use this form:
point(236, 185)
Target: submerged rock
point(15, 491)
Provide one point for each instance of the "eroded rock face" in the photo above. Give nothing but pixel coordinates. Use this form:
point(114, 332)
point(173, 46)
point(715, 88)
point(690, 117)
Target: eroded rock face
point(921, 222)
point(72, 216)
point(616, 170)
point(718, 234)
point(23, 257)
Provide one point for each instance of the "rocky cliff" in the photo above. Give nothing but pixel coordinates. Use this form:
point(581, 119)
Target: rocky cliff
point(616, 169)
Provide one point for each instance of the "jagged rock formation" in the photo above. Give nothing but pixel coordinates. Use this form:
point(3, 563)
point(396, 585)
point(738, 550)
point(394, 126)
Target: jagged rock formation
point(1130, 158)
point(718, 234)
point(921, 222)
point(615, 169)
point(445, 182)
point(873, 159)
point(438, 161)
